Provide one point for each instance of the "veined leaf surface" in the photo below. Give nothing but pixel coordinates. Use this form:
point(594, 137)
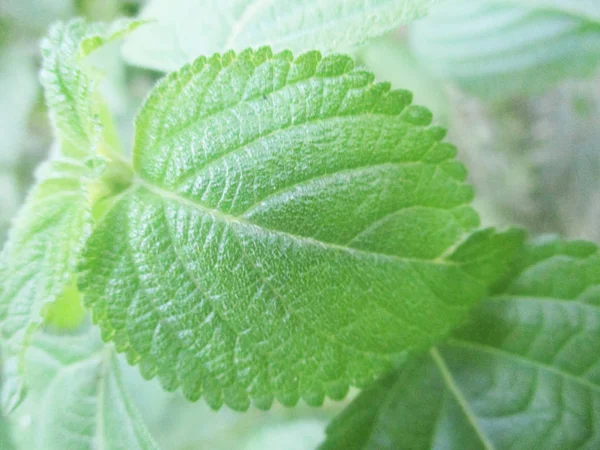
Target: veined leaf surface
point(46, 239)
point(523, 373)
point(292, 228)
point(186, 29)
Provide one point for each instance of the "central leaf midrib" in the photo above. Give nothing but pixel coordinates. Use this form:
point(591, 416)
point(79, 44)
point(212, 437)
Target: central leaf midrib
point(220, 215)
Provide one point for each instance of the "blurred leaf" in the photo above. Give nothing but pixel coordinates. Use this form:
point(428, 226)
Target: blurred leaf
point(587, 9)
point(77, 399)
point(496, 48)
point(186, 29)
point(9, 203)
point(177, 424)
point(18, 88)
point(6, 439)
point(298, 435)
point(390, 60)
point(522, 373)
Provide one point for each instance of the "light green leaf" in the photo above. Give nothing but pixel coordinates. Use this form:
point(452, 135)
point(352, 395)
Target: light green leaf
point(523, 373)
point(292, 228)
point(186, 29)
point(42, 252)
point(46, 239)
point(498, 48)
point(77, 399)
point(70, 89)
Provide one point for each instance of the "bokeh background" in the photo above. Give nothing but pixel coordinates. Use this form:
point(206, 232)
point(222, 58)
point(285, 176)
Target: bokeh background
point(517, 87)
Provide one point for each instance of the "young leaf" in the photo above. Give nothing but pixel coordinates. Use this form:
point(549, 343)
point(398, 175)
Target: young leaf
point(186, 29)
point(77, 399)
point(499, 48)
point(523, 373)
point(292, 228)
point(48, 234)
point(74, 105)
point(42, 252)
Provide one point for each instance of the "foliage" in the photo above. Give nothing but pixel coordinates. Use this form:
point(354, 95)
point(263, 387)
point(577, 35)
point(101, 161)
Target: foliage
point(278, 222)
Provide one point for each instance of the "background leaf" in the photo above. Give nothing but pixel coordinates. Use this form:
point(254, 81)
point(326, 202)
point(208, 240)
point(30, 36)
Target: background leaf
point(295, 230)
point(523, 373)
point(496, 48)
point(40, 257)
point(186, 29)
point(77, 398)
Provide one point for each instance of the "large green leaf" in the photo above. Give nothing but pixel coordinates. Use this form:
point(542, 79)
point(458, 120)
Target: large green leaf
point(186, 29)
point(523, 373)
point(495, 48)
point(292, 228)
point(77, 399)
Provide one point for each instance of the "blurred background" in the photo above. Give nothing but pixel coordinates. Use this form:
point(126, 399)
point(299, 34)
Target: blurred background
point(517, 87)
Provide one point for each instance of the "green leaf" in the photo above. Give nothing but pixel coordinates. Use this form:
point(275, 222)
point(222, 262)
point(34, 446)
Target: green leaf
point(70, 87)
point(186, 29)
point(42, 251)
point(47, 237)
point(522, 373)
point(498, 48)
point(292, 228)
point(77, 399)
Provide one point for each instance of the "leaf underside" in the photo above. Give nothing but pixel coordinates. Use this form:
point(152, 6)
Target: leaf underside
point(292, 229)
point(523, 373)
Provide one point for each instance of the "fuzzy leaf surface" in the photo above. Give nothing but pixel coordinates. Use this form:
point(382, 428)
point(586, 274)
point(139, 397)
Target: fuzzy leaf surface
point(186, 29)
point(70, 87)
point(523, 373)
point(48, 235)
point(293, 228)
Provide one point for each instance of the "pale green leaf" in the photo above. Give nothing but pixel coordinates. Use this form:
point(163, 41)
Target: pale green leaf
point(186, 29)
point(75, 106)
point(46, 239)
point(292, 228)
point(42, 251)
point(77, 399)
point(495, 48)
point(9, 203)
point(523, 373)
